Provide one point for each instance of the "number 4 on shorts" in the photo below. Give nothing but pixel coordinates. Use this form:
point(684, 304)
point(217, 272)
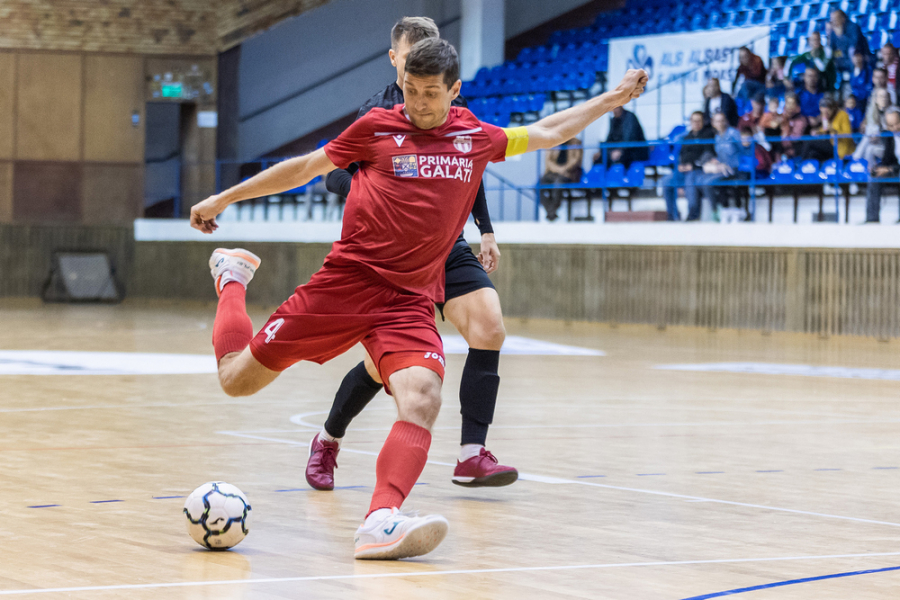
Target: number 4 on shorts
point(272, 328)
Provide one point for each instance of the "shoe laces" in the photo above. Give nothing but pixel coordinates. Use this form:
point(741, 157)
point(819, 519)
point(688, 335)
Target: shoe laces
point(487, 454)
point(329, 456)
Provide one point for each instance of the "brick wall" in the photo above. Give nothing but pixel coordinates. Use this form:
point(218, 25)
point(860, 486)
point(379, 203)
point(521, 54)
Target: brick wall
point(180, 27)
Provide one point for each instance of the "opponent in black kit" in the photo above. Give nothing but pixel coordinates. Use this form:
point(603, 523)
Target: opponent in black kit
point(471, 303)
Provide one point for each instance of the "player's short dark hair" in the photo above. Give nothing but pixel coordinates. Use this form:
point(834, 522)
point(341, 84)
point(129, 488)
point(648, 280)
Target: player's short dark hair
point(434, 56)
point(415, 29)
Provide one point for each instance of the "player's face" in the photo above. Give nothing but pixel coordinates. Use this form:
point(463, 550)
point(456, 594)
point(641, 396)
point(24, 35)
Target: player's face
point(428, 99)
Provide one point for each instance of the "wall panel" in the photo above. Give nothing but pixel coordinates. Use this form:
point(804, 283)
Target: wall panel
point(114, 90)
point(48, 123)
point(6, 192)
point(7, 103)
point(111, 194)
point(46, 192)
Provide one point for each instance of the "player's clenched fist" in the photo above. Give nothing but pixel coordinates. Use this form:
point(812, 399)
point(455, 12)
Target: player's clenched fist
point(632, 85)
point(203, 215)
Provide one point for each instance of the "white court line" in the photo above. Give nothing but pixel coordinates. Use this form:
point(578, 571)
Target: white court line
point(146, 586)
point(556, 480)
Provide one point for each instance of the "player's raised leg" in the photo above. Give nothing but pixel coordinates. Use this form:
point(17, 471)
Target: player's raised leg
point(478, 318)
point(239, 373)
point(387, 533)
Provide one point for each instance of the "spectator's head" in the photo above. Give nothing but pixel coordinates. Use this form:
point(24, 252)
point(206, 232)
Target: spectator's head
point(827, 107)
point(850, 102)
point(779, 62)
point(746, 136)
point(774, 104)
point(815, 41)
point(888, 54)
point(719, 122)
point(882, 99)
point(618, 112)
point(879, 78)
point(407, 32)
point(791, 105)
point(892, 119)
point(712, 89)
point(859, 60)
point(431, 82)
point(811, 79)
point(758, 102)
point(838, 20)
point(745, 56)
point(697, 121)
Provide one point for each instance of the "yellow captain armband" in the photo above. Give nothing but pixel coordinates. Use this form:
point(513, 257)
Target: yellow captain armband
point(517, 140)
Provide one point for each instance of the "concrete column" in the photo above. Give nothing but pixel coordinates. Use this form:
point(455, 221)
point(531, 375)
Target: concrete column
point(483, 36)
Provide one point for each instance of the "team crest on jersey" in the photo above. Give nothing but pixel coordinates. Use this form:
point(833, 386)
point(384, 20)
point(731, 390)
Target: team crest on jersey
point(463, 143)
point(405, 166)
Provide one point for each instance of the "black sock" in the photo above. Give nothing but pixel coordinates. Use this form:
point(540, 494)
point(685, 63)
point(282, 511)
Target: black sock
point(356, 391)
point(478, 394)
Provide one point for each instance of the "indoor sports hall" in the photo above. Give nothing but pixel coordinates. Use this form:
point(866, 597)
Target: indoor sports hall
point(700, 295)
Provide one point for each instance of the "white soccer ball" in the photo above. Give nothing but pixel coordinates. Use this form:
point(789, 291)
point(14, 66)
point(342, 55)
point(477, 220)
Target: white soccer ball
point(217, 515)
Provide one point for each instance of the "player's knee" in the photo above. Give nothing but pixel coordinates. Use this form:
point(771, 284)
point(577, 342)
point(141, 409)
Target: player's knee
point(423, 408)
point(487, 333)
point(418, 398)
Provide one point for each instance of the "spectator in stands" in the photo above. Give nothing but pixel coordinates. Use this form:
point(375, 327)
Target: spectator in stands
point(624, 127)
point(851, 105)
point(861, 79)
point(689, 172)
point(793, 125)
point(889, 167)
point(845, 39)
point(817, 57)
point(871, 147)
point(563, 165)
point(763, 158)
point(751, 75)
point(723, 165)
point(757, 110)
point(775, 78)
point(889, 61)
point(770, 125)
point(810, 95)
point(879, 81)
point(718, 102)
point(835, 122)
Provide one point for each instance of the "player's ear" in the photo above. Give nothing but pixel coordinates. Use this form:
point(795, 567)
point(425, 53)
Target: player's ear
point(454, 90)
point(393, 57)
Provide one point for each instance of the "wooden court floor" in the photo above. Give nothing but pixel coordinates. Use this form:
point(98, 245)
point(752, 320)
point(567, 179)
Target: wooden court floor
point(638, 483)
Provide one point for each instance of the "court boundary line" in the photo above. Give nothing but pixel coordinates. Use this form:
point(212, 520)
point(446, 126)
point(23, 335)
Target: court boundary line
point(559, 480)
point(266, 580)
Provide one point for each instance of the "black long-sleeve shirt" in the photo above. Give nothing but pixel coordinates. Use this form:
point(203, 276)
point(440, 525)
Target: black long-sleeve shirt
point(338, 181)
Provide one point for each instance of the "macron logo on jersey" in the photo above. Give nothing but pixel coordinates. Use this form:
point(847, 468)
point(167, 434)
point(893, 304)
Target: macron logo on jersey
point(399, 139)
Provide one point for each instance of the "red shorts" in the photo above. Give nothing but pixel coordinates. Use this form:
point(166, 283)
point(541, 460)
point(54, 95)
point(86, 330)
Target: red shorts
point(340, 307)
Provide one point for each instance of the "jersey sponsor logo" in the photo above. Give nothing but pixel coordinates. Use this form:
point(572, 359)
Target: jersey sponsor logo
point(405, 166)
point(399, 139)
point(463, 143)
point(436, 357)
point(272, 328)
point(446, 167)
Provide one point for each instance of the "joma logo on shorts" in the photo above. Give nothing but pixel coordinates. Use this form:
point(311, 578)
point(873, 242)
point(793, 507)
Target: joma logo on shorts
point(436, 357)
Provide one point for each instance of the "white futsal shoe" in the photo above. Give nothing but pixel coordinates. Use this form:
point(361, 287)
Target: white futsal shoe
point(390, 534)
point(236, 264)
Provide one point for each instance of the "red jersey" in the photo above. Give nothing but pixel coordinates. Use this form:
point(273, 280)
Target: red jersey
point(413, 192)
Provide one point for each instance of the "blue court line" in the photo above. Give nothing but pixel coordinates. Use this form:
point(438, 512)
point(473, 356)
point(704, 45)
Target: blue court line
point(418, 483)
point(588, 476)
point(43, 506)
point(168, 497)
point(829, 469)
point(766, 586)
point(884, 468)
point(649, 474)
point(770, 471)
point(709, 472)
point(104, 501)
point(296, 490)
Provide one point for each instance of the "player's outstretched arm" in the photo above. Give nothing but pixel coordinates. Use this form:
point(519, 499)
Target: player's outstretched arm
point(282, 177)
point(561, 127)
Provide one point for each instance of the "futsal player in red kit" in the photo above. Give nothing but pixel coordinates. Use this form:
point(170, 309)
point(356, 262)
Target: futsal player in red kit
point(420, 167)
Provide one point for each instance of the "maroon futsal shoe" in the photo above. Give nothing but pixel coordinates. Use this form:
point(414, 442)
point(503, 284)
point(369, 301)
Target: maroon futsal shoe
point(322, 463)
point(483, 471)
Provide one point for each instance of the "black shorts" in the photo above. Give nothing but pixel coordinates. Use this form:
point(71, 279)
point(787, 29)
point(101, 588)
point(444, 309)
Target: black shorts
point(464, 273)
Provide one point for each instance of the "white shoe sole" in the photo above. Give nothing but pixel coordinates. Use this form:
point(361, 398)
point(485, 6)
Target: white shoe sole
point(420, 539)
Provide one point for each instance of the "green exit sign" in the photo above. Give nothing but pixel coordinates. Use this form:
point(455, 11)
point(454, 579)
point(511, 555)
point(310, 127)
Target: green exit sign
point(171, 90)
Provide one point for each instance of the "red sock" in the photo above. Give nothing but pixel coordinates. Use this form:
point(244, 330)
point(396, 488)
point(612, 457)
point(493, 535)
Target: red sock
point(232, 330)
point(399, 464)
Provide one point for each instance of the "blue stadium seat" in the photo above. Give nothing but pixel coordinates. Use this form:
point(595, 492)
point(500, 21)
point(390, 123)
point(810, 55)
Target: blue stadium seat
point(830, 170)
point(783, 172)
point(595, 176)
point(615, 177)
point(857, 170)
point(635, 175)
point(747, 164)
point(807, 172)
